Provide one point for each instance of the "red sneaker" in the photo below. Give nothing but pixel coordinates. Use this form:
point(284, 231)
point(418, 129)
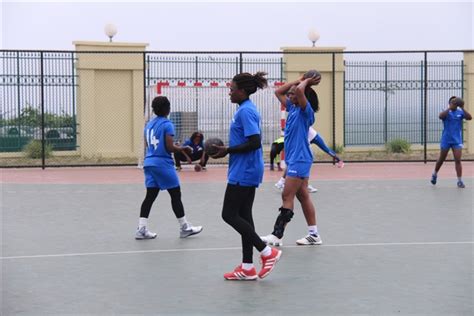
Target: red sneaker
point(268, 263)
point(239, 274)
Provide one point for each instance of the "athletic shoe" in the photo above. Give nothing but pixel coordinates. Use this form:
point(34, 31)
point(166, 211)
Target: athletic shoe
point(272, 168)
point(178, 168)
point(268, 263)
point(433, 179)
point(239, 274)
point(461, 184)
point(188, 230)
point(203, 168)
point(312, 189)
point(272, 240)
point(340, 164)
point(279, 186)
point(144, 233)
point(309, 240)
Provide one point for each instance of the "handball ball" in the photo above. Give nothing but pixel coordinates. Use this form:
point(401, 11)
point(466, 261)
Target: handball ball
point(197, 167)
point(457, 102)
point(211, 150)
point(312, 73)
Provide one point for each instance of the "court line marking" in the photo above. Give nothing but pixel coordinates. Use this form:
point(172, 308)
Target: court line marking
point(232, 248)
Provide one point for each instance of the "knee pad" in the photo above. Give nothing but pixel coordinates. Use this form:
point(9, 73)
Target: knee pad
point(283, 218)
point(285, 214)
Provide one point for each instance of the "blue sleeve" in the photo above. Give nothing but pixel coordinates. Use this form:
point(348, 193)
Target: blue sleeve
point(288, 105)
point(250, 122)
point(169, 128)
point(308, 111)
point(187, 143)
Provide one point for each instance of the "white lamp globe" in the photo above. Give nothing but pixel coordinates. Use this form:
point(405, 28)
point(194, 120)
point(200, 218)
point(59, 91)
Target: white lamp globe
point(313, 36)
point(110, 30)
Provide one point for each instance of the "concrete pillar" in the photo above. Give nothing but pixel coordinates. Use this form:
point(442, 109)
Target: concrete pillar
point(297, 64)
point(469, 100)
point(110, 99)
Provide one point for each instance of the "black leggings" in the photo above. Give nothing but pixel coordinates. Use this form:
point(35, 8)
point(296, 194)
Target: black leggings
point(152, 193)
point(178, 157)
point(237, 212)
point(275, 150)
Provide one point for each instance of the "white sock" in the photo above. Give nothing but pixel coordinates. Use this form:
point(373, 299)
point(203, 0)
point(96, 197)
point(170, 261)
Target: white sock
point(313, 230)
point(247, 266)
point(266, 251)
point(182, 221)
point(142, 221)
point(460, 179)
point(435, 173)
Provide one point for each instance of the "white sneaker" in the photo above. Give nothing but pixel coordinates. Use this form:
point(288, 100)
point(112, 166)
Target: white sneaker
point(272, 240)
point(188, 230)
point(309, 240)
point(144, 233)
point(279, 186)
point(340, 164)
point(312, 189)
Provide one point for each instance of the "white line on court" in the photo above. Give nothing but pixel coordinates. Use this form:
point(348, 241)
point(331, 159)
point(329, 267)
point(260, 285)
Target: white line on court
point(442, 243)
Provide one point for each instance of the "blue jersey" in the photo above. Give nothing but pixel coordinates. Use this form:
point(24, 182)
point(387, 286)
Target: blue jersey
point(452, 132)
point(245, 169)
point(196, 148)
point(297, 147)
point(155, 135)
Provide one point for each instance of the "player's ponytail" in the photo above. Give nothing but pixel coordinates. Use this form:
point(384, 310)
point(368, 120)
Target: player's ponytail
point(250, 83)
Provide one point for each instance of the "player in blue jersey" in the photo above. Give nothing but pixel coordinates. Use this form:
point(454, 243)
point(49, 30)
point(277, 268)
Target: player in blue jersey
point(196, 143)
point(159, 170)
point(299, 99)
point(451, 137)
point(313, 138)
point(244, 175)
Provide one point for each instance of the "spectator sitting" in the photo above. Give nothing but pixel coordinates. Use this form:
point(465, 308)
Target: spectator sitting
point(196, 142)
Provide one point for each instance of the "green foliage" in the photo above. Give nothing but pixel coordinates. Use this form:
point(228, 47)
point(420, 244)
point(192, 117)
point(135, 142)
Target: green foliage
point(31, 117)
point(339, 149)
point(34, 149)
point(398, 146)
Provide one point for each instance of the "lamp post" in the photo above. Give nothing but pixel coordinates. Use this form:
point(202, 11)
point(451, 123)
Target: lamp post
point(313, 35)
point(110, 30)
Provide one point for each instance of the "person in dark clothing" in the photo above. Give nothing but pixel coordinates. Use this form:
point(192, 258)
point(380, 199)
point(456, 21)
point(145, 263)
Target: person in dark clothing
point(196, 143)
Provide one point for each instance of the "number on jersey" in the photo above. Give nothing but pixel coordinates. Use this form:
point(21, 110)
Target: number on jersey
point(151, 140)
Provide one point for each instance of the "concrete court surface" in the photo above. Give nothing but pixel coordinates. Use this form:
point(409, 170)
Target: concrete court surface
point(393, 245)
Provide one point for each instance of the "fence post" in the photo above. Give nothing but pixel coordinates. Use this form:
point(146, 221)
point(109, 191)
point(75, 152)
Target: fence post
point(146, 77)
point(241, 66)
point(18, 93)
point(425, 104)
point(334, 105)
point(43, 153)
point(385, 129)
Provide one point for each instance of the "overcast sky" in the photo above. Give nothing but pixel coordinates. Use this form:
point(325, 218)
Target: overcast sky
point(240, 25)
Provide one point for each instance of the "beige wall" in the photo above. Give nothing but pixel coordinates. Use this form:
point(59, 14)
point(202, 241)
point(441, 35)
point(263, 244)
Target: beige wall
point(469, 100)
point(298, 64)
point(110, 99)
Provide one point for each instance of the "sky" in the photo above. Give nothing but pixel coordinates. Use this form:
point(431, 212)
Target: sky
point(240, 25)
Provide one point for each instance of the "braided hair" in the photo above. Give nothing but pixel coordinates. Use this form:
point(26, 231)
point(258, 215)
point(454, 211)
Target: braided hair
point(250, 83)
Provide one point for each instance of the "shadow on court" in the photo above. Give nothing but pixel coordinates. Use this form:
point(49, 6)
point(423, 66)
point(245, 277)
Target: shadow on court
point(390, 247)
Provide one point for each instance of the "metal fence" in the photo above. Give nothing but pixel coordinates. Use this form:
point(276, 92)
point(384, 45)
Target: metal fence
point(385, 98)
point(198, 89)
point(38, 101)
